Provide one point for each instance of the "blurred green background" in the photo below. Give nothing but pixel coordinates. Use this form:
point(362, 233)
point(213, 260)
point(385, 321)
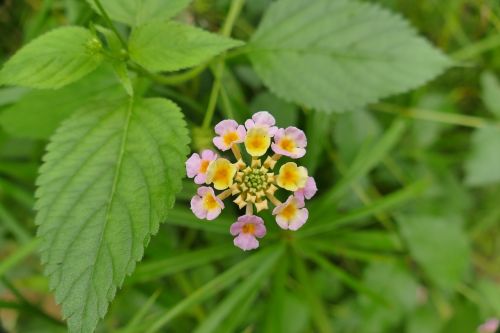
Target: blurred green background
point(427, 262)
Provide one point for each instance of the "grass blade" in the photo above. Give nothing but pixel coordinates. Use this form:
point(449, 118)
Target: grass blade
point(211, 288)
point(153, 270)
point(362, 165)
point(18, 256)
point(237, 296)
point(389, 201)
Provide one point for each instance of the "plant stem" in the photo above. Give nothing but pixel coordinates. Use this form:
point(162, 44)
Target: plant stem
point(110, 24)
point(475, 49)
point(234, 11)
point(441, 117)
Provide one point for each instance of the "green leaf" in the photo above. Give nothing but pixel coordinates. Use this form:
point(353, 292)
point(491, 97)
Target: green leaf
point(138, 12)
point(170, 46)
point(323, 54)
point(398, 287)
point(109, 178)
point(39, 112)
point(481, 167)
point(54, 59)
point(491, 93)
point(439, 245)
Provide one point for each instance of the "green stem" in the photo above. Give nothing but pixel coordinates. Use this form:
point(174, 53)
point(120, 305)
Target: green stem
point(233, 14)
point(110, 24)
point(441, 117)
point(475, 49)
point(18, 255)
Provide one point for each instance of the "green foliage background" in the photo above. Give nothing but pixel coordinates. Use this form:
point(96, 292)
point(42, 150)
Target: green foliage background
point(402, 119)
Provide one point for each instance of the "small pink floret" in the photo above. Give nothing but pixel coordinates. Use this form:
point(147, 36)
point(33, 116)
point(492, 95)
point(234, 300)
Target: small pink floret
point(262, 119)
point(195, 162)
point(308, 191)
point(198, 205)
point(246, 229)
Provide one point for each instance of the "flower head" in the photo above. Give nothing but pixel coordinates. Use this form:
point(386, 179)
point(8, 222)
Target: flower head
point(253, 184)
point(196, 165)
point(291, 214)
point(246, 229)
point(205, 204)
point(290, 142)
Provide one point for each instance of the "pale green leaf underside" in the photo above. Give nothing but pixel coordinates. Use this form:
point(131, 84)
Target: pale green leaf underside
point(481, 167)
point(109, 178)
point(53, 60)
point(491, 92)
point(439, 245)
point(138, 12)
point(170, 46)
point(339, 55)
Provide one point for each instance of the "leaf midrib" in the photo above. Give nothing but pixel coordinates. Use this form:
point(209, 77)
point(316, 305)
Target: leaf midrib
point(116, 179)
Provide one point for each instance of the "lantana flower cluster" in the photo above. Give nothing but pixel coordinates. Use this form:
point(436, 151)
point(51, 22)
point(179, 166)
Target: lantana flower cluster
point(253, 184)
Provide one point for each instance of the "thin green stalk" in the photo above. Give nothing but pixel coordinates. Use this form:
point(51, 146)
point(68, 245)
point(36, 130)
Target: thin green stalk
point(110, 24)
point(318, 311)
point(385, 203)
point(19, 255)
point(13, 226)
point(440, 117)
point(473, 50)
point(234, 11)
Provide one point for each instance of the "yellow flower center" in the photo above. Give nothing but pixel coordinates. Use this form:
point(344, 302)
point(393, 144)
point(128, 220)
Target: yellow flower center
point(209, 202)
point(289, 211)
point(287, 144)
point(292, 177)
point(230, 137)
point(248, 228)
point(221, 173)
point(204, 166)
point(257, 141)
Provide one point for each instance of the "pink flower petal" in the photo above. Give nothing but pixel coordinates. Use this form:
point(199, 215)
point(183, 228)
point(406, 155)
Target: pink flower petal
point(262, 119)
point(219, 143)
point(225, 126)
point(300, 220)
point(308, 191)
point(197, 207)
point(208, 155)
point(236, 228)
point(193, 165)
point(200, 178)
point(246, 242)
point(490, 326)
point(298, 135)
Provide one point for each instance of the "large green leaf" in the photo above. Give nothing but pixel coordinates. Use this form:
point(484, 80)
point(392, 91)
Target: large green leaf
point(170, 46)
point(109, 178)
point(38, 113)
point(137, 12)
point(338, 55)
point(439, 245)
point(54, 59)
